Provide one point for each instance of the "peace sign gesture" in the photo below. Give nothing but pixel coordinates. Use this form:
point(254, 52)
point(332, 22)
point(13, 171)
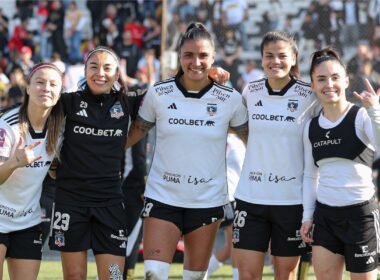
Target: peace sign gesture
point(24, 155)
point(369, 97)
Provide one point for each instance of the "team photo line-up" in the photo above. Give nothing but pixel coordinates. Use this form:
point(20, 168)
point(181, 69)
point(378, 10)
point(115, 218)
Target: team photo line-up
point(285, 166)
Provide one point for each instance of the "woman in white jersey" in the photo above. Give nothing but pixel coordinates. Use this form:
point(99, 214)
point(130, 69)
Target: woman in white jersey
point(28, 137)
point(338, 189)
point(269, 193)
point(186, 187)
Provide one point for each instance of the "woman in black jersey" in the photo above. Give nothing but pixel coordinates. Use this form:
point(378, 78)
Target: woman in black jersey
point(338, 190)
point(88, 210)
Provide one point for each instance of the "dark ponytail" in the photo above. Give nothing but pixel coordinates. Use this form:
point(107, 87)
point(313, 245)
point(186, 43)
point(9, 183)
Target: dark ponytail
point(326, 54)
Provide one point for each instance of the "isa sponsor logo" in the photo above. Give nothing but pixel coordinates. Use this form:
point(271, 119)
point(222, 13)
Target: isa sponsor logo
point(116, 111)
point(3, 134)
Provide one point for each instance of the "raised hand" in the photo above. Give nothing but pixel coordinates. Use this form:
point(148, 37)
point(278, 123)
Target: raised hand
point(369, 97)
point(24, 155)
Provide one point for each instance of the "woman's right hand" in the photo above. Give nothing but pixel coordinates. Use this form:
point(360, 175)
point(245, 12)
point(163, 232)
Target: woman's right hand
point(24, 155)
point(307, 231)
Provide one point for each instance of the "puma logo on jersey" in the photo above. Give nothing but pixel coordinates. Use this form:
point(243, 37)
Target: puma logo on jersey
point(172, 106)
point(259, 104)
point(82, 113)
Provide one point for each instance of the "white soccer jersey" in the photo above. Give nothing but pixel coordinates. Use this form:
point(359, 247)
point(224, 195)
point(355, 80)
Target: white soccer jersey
point(20, 193)
point(273, 165)
point(189, 166)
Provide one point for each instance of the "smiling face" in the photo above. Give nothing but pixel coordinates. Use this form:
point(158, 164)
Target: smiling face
point(196, 58)
point(329, 81)
point(278, 59)
point(101, 72)
point(44, 88)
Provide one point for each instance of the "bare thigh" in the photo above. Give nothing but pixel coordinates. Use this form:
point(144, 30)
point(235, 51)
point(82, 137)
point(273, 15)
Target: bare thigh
point(74, 265)
point(160, 239)
point(198, 247)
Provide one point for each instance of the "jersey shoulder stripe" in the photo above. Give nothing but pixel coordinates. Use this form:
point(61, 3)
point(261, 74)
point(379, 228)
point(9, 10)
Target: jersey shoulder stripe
point(257, 81)
point(11, 116)
point(169, 80)
point(303, 83)
point(230, 89)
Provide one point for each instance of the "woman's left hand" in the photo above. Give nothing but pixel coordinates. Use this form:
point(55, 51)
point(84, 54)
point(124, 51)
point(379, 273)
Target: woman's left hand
point(219, 75)
point(369, 97)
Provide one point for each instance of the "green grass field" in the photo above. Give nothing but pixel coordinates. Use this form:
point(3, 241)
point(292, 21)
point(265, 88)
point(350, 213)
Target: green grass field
point(51, 270)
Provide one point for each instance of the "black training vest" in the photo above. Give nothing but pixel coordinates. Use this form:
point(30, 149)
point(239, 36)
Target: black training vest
point(340, 141)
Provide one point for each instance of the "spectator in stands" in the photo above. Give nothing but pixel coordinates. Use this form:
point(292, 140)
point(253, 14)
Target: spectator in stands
point(323, 11)
point(308, 37)
point(20, 37)
point(17, 86)
point(74, 22)
point(234, 14)
point(335, 30)
point(230, 51)
point(217, 21)
point(351, 22)
point(25, 61)
point(185, 10)
point(45, 48)
point(176, 36)
point(128, 52)
point(203, 11)
point(111, 35)
point(152, 35)
point(96, 8)
point(150, 61)
point(55, 23)
point(250, 73)
point(362, 54)
point(275, 13)
point(137, 30)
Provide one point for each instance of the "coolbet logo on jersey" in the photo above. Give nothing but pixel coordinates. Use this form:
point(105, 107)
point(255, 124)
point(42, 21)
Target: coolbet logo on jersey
point(98, 132)
point(191, 122)
point(277, 118)
point(116, 111)
point(38, 164)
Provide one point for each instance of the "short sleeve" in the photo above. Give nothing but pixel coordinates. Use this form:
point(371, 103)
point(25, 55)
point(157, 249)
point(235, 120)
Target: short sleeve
point(147, 109)
point(240, 114)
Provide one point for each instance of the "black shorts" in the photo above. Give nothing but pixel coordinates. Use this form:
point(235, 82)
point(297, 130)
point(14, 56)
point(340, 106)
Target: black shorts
point(350, 231)
point(229, 210)
point(102, 229)
point(23, 244)
point(255, 225)
point(186, 219)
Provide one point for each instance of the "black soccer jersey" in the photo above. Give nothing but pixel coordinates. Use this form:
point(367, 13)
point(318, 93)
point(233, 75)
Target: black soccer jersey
point(93, 148)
